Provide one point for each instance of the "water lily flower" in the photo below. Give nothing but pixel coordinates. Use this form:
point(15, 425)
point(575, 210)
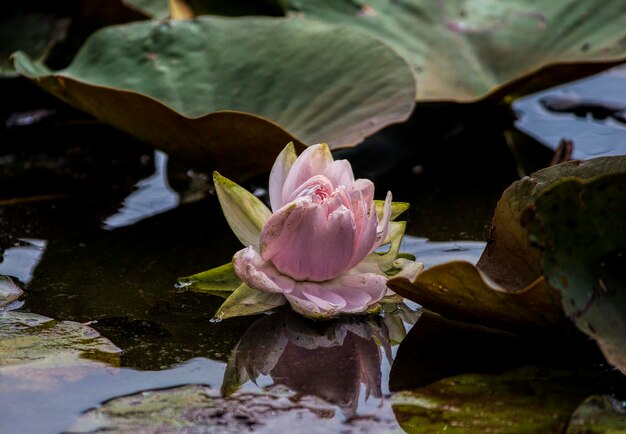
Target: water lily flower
point(317, 246)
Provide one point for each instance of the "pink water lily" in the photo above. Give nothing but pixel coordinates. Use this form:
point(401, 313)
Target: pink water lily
point(318, 246)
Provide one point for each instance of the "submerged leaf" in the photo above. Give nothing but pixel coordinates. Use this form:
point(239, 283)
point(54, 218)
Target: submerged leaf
point(38, 353)
point(199, 408)
point(248, 301)
point(598, 415)
point(579, 226)
point(467, 50)
point(526, 400)
point(36, 340)
point(9, 291)
point(173, 85)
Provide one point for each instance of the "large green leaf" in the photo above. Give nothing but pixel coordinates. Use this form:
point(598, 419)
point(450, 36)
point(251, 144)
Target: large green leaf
point(175, 85)
point(507, 288)
point(465, 50)
point(580, 228)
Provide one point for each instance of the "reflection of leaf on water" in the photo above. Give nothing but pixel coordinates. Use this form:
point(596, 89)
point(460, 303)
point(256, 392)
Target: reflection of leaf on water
point(581, 107)
point(330, 360)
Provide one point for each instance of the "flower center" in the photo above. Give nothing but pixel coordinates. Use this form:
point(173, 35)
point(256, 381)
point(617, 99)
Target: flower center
point(318, 188)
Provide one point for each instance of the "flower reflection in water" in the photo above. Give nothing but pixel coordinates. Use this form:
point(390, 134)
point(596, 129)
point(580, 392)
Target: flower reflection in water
point(331, 360)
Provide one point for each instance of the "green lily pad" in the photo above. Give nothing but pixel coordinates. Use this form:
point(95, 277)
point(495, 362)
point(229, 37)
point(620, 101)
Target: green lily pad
point(467, 50)
point(507, 288)
point(598, 415)
point(25, 28)
point(524, 400)
point(579, 226)
point(37, 340)
point(458, 290)
point(37, 352)
point(509, 259)
point(172, 84)
point(9, 291)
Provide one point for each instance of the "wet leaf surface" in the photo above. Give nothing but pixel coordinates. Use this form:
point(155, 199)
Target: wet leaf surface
point(200, 408)
point(527, 399)
point(42, 353)
point(580, 228)
point(9, 291)
point(465, 51)
point(145, 74)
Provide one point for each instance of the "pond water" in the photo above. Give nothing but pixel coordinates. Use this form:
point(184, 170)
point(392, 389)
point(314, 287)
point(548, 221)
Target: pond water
point(96, 228)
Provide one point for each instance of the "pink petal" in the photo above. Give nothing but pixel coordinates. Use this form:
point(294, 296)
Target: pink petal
point(365, 219)
point(349, 293)
point(279, 173)
point(313, 161)
point(304, 243)
point(259, 274)
point(340, 173)
point(351, 286)
point(318, 188)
